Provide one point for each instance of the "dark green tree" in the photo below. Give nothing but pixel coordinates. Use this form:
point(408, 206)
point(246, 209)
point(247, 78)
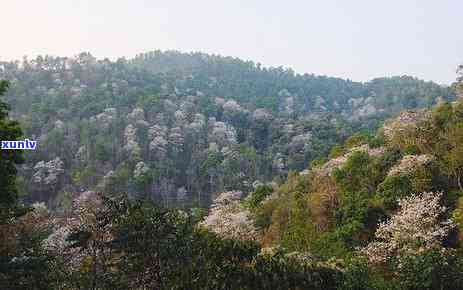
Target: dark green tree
point(23, 264)
point(9, 130)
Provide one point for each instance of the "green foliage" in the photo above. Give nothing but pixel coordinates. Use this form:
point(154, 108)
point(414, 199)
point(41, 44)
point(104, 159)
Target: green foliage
point(94, 97)
point(299, 232)
point(136, 245)
point(358, 275)
point(144, 181)
point(376, 141)
point(288, 272)
point(197, 214)
point(457, 216)
point(121, 176)
point(392, 189)
point(452, 153)
point(149, 101)
point(405, 92)
point(432, 270)
point(318, 162)
point(424, 178)
point(63, 202)
point(157, 248)
point(360, 173)
point(27, 265)
point(336, 151)
point(9, 130)
point(442, 115)
point(356, 140)
point(23, 263)
point(329, 245)
point(102, 149)
point(263, 214)
point(357, 215)
point(411, 150)
point(87, 175)
point(254, 199)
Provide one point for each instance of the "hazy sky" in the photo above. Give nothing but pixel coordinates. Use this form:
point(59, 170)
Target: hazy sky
point(355, 39)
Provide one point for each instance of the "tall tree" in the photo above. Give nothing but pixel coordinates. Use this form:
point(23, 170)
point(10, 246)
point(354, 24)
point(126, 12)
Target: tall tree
point(9, 130)
point(23, 263)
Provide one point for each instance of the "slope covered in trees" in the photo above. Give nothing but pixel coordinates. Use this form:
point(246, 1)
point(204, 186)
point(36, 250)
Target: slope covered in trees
point(179, 127)
point(389, 203)
point(381, 211)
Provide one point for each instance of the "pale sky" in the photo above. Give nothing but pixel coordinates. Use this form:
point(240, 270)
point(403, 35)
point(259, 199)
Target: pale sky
point(355, 39)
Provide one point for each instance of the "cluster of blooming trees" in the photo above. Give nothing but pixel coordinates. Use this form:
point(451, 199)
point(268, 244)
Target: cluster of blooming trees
point(367, 199)
point(199, 122)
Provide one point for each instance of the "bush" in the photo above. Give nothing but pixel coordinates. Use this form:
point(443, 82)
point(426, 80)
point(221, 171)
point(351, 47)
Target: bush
point(437, 269)
point(356, 275)
point(292, 271)
point(392, 189)
point(254, 199)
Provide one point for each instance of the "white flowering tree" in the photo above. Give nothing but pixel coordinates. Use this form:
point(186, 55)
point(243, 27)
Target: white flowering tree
point(47, 175)
point(142, 176)
point(416, 227)
point(131, 145)
point(229, 220)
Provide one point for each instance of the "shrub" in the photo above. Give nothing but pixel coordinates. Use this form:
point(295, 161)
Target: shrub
point(254, 199)
point(392, 189)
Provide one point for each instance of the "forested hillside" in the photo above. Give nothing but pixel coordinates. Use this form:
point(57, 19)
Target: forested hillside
point(386, 207)
point(179, 128)
point(382, 211)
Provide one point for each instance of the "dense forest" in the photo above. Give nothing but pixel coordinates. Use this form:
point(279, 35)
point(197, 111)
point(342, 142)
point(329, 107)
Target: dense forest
point(180, 128)
point(190, 171)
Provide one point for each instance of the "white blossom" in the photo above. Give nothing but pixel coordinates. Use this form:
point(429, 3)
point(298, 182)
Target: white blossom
point(289, 105)
point(130, 136)
point(223, 134)
point(59, 125)
point(182, 193)
point(417, 226)
point(158, 146)
point(157, 131)
point(40, 208)
point(81, 154)
point(176, 138)
point(409, 164)
point(231, 107)
point(261, 115)
point(84, 207)
point(48, 172)
point(140, 169)
point(180, 117)
point(304, 172)
point(327, 168)
point(229, 220)
point(137, 114)
point(300, 142)
point(188, 105)
point(198, 123)
point(279, 162)
point(408, 120)
point(107, 178)
point(219, 101)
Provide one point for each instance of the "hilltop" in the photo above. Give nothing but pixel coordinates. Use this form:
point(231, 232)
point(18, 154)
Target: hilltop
point(180, 127)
